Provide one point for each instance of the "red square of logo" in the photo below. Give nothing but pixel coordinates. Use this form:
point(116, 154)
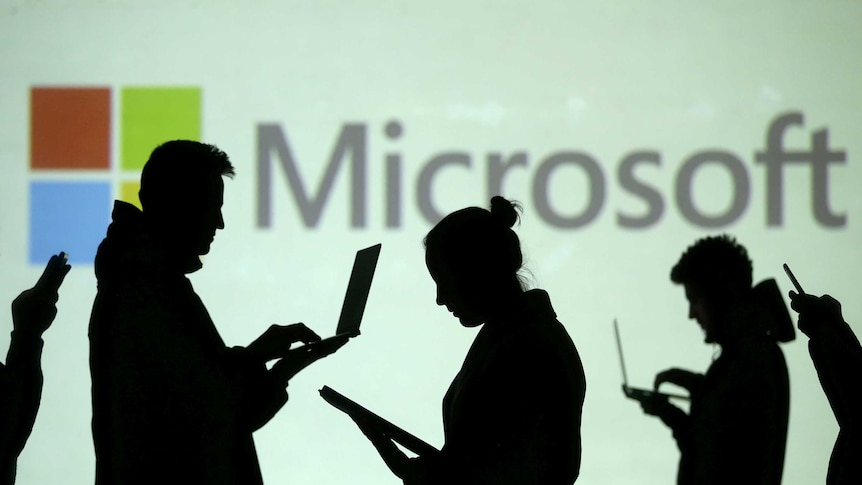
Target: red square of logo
point(70, 128)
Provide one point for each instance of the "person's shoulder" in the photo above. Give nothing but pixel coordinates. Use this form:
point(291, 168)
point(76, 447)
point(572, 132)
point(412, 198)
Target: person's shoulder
point(542, 339)
point(542, 318)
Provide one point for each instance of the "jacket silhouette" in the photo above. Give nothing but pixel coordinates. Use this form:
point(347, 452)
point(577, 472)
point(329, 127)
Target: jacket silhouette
point(736, 430)
point(171, 403)
point(512, 415)
point(737, 427)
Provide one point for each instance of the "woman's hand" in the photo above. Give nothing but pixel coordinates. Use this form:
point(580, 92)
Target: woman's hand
point(394, 458)
point(34, 310)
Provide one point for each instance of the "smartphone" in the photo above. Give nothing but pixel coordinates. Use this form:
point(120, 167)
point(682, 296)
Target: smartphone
point(793, 280)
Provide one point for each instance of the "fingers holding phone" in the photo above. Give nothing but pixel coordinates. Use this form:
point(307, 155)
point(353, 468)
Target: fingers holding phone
point(816, 313)
point(35, 309)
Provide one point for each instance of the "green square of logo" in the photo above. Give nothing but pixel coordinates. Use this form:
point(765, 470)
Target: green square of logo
point(151, 116)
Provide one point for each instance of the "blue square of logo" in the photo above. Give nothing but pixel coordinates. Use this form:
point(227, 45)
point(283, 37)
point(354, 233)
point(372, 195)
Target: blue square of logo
point(68, 216)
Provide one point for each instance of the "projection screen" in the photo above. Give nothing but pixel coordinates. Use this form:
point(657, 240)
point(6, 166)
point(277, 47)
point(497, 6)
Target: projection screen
point(626, 129)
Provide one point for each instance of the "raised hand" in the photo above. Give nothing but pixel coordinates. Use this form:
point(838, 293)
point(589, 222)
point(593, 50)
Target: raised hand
point(815, 312)
point(34, 309)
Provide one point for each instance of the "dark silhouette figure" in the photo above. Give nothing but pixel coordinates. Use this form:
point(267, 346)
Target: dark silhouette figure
point(33, 311)
point(837, 357)
point(736, 430)
point(513, 413)
point(172, 403)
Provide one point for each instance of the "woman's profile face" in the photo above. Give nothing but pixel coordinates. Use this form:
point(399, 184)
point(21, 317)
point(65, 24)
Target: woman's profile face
point(456, 291)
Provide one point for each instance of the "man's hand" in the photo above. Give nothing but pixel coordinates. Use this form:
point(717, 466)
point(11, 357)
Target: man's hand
point(685, 379)
point(34, 309)
point(816, 312)
point(301, 357)
point(276, 341)
point(658, 405)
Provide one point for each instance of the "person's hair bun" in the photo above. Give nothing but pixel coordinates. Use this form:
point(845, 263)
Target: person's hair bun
point(505, 211)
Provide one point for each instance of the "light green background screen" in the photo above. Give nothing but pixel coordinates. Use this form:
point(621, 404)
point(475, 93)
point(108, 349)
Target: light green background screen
point(481, 79)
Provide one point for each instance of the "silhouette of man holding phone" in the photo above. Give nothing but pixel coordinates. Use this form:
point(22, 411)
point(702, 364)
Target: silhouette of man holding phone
point(33, 311)
point(171, 402)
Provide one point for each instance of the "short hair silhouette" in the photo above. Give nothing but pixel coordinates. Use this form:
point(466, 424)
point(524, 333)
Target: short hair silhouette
point(480, 241)
point(715, 262)
point(170, 398)
point(178, 171)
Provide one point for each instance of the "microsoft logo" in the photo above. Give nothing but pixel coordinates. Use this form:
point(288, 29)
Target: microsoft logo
point(74, 172)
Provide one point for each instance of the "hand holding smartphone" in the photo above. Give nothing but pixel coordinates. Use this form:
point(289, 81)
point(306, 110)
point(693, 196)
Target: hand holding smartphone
point(34, 309)
point(816, 313)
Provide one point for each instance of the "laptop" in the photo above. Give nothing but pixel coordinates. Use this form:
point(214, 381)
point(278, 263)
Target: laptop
point(635, 392)
point(357, 293)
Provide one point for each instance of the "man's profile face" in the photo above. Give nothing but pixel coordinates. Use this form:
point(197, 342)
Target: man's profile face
point(698, 310)
point(189, 219)
point(209, 219)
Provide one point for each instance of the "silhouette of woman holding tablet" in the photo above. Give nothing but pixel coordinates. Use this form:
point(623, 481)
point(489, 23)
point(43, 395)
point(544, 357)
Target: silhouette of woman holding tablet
point(512, 415)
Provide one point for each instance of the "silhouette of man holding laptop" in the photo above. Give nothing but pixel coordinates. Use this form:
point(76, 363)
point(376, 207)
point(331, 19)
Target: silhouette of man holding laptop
point(171, 402)
point(736, 429)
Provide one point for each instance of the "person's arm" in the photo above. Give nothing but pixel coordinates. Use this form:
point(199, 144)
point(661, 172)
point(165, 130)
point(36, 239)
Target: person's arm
point(686, 379)
point(835, 352)
point(397, 462)
point(33, 311)
point(25, 353)
point(673, 417)
point(276, 343)
point(263, 389)
point(262, 395)
point(21, 392)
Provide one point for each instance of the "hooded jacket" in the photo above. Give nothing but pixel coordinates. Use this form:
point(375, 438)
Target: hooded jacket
point(171, 403)
point(736, 431)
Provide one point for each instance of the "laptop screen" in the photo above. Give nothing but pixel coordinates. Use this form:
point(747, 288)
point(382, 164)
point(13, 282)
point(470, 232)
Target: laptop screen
point(357, 291)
